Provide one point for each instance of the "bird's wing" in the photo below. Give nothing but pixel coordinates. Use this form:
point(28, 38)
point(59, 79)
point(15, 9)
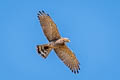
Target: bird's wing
point(68, 57)
point(49, 27)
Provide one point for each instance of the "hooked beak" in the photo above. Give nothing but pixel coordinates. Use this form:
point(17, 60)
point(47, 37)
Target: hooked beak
point(68, 40)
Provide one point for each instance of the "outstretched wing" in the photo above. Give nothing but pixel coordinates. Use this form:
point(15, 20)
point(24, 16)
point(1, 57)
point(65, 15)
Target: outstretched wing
point(68, 57)
point(49, 27)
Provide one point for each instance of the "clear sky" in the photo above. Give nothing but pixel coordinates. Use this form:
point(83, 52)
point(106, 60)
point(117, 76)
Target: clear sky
point(93, 26)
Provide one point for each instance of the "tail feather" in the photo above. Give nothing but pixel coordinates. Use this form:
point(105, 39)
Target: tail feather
point(44, 50)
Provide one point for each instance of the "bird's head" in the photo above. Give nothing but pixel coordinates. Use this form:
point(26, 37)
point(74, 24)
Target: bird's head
point(62, 40)
point(66, 40)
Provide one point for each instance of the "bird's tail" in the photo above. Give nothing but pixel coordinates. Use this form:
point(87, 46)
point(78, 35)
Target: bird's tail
point(44, 50)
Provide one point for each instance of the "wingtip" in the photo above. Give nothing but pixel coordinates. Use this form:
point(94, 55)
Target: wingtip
point(48, 15)
point(74, 71)
point(78, 67)
point(43, 11)
point(77, 71)
point(40, 12)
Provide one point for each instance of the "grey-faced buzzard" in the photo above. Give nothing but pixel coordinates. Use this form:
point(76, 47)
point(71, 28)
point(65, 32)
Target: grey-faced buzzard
point(56, 42)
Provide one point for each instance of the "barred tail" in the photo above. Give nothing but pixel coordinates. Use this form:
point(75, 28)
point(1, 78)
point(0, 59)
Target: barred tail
point(44, 50)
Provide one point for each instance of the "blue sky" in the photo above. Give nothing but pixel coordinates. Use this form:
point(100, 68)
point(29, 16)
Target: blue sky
point(93, 26)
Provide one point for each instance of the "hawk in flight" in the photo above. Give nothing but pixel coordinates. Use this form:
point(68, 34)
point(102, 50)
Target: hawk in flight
point(56, 42)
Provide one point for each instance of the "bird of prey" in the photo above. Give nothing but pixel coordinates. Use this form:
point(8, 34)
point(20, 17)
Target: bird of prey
point(56, 42)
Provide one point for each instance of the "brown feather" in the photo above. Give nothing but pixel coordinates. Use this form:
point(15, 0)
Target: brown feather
point(63, 52)
point(49, 27)
point(68, 57)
